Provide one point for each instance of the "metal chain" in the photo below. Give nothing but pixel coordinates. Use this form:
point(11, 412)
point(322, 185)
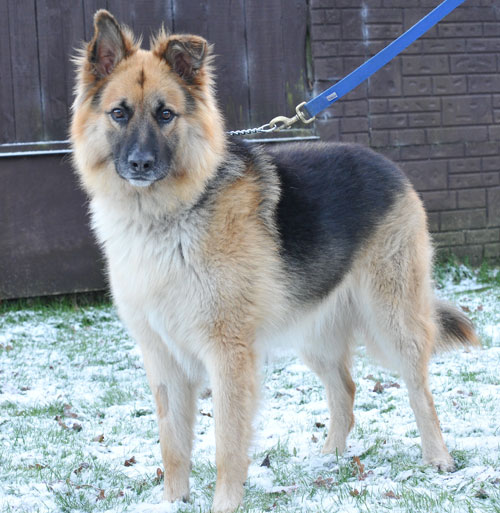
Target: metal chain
point(278, 123)
point(259, 130)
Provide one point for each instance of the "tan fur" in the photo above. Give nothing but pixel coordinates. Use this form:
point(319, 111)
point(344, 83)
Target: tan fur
point(243, 257)
point(195, 163)
point(400, 321)
point(204, 293)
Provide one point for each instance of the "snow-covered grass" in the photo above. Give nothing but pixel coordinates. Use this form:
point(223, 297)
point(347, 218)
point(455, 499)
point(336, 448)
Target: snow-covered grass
point(78, 430)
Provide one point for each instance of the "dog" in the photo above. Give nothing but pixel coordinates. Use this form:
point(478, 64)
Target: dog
point(217, 250)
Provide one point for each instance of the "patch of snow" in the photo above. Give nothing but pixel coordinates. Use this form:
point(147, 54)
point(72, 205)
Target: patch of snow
point(45, 367)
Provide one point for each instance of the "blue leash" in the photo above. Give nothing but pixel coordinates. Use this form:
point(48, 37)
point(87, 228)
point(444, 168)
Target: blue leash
point(348, 83)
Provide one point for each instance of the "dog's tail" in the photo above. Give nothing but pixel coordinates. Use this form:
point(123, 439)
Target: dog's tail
point(455, 329)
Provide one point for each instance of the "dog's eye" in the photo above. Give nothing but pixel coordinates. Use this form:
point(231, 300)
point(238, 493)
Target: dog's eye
point(166, 115)
point(119, 115)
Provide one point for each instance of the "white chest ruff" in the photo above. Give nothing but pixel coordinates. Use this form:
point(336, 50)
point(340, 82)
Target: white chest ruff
point(157, 276)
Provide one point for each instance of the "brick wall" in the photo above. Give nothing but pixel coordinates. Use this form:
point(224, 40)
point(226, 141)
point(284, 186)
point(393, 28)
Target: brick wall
point(435, 109)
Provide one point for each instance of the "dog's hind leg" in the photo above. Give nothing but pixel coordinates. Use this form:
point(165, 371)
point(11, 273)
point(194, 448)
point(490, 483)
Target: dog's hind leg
point(175, 396)
point(399, 313)
point(329, 356)
point(434, 450)
point(404, 331)
point(407, 345)
point(405, 340)
point(340, 390)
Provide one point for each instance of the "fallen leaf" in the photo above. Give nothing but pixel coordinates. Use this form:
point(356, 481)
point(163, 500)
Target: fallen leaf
point(82, 466)
point(359, 469)
point(378, 387)
point(68, 413)
point(324, 482)
point(391, 495)
point(481, 494)
point(160, 475)
point(37, 466)
point(101, 496)
point(465, 308)
point(141, 413)
point(358, 463)
point(130, 462)
point(314, 439)
point(266, 462)
point(76, 427)
point(354, 492)
point(206, 413)
point(98, 438)
point(60, 422)
point(319, 424)
point(280, 490)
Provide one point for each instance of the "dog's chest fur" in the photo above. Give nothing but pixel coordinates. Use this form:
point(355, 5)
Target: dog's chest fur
point(157, 270)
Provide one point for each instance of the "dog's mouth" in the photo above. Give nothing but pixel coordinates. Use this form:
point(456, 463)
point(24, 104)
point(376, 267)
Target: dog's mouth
point(136, 182)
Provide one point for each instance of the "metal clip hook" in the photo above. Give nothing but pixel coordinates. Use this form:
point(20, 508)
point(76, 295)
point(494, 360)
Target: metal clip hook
point(281, 122)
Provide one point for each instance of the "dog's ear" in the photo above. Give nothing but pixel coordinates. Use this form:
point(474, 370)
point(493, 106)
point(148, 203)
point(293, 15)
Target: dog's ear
point(109, 45)
point(186, 55)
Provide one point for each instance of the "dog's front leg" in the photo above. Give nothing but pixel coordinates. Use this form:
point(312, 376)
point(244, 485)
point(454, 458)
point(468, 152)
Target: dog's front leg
point(232, 369)
point(175, 397)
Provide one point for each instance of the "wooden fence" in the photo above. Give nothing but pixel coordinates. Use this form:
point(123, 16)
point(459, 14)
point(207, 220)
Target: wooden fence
point(260, 48)
point(45, 243)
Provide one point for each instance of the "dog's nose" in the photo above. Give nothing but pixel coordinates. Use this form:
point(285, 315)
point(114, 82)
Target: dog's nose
point(141, 160)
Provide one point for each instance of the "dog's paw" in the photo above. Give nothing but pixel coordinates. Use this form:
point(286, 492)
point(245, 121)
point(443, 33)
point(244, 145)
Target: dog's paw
point(176, 498)
point(175, 493)
point(224, 508)
point(443, 464)
point(333, 446)
point(227, 499)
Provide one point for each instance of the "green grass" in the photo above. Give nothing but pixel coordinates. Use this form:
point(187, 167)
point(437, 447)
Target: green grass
point(450, 267)
point(67, 362)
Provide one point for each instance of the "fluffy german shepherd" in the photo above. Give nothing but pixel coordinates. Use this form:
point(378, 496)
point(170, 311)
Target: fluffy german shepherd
point(216, 250)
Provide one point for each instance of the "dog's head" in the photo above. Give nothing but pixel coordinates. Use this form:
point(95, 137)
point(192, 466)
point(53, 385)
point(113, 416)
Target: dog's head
point(146, 117)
